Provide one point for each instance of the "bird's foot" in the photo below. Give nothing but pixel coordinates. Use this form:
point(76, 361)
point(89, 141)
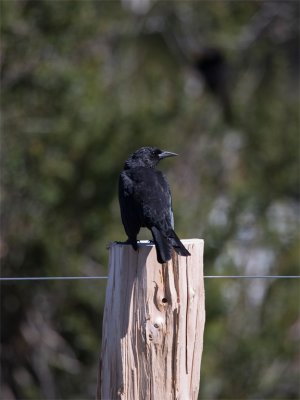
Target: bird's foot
point(129, 242)
point(122, 242)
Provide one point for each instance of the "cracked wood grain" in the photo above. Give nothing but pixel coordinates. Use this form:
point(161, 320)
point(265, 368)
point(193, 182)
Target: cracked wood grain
point(153, 325)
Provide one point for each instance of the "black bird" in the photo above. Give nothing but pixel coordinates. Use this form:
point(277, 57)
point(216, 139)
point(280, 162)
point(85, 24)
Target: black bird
point(145, 201)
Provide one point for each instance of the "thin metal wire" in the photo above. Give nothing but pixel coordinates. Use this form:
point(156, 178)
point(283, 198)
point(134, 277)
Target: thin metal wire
point(73, 278)
point(254, 276)
point(51, 278)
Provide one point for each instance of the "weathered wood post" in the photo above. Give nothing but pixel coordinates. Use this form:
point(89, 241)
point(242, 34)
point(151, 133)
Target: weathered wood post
point(153, 325)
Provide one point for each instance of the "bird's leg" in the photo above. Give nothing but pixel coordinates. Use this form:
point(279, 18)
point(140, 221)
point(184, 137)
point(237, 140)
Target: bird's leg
point(133, 243)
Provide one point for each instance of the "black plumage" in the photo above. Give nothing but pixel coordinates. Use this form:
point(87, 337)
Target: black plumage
point(145, 201)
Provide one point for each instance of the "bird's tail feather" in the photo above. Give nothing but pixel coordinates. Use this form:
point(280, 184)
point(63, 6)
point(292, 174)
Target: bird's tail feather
point(163, 245)
point(177, 245)
point(163, 248)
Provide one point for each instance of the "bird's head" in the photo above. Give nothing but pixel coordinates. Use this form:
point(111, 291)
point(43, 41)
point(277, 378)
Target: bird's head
point(147, 157)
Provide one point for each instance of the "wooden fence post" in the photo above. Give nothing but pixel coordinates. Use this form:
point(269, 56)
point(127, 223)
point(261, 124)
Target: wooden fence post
point(153, 325)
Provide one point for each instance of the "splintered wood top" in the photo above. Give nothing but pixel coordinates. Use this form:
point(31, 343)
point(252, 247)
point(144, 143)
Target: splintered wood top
point(150, 243)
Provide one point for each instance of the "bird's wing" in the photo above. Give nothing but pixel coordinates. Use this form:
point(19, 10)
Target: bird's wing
point(152, 197)
point(130, 210)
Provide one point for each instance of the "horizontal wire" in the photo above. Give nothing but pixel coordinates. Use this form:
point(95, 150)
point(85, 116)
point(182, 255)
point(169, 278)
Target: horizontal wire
point(52, 278)
point(254, 276)
point(66, 278)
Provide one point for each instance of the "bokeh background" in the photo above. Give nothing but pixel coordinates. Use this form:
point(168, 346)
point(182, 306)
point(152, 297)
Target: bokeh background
point(85, 83)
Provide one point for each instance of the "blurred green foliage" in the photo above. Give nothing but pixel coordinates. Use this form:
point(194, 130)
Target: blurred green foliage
point(84, 83)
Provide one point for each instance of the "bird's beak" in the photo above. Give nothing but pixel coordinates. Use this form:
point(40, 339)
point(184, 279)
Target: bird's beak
point(166, 154)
